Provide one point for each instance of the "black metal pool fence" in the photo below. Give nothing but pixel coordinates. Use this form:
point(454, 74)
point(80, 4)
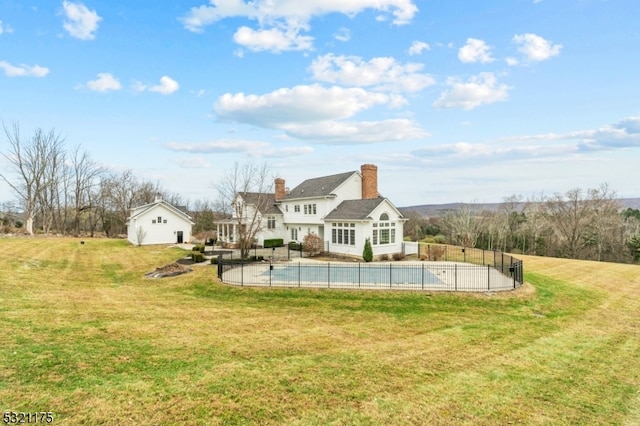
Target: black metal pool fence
point(433, 267)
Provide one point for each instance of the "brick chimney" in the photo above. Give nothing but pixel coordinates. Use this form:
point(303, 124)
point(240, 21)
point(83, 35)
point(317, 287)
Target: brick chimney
point(280, 190)
point(369, 181)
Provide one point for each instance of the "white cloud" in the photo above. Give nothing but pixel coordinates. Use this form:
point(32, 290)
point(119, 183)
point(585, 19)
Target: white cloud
point(104, 83)
point(80, 22)
point(167, 86)
point(417, 47)
point(511, 61)
point(230, 146)
point(317, 113)
point(23, 70)
point(343, 34)
point(622, 135)
point(299, 104)
point(536, 48)
point(275, 39)
point(5, 29)
point(382, 73)
point(475, 50)
point(264, 11)
point(216, 147)
point(281, 20)
point(480, 90)
point(357, 132)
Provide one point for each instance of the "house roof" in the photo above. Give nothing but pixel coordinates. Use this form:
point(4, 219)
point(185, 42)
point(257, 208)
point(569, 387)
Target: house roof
point(318, 187)
point(265, 202)
point(137, 211)
point(355, 209)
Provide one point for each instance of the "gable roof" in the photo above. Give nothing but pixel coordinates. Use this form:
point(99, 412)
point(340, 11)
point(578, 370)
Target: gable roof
point(265, 202)
point(138, 211)
point(355, 209)
point(318, 187)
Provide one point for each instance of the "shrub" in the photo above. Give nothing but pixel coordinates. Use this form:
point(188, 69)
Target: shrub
point(384, 257)
point(367, 253)
point(197, 257)
point(398, 256)
point(312, 244)
point(198, 247)
point(436, 252)
point(295, 246)
point(273, 242)
point(256, 258)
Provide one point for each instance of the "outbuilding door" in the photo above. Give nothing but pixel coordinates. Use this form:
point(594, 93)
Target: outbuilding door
point(180, 237)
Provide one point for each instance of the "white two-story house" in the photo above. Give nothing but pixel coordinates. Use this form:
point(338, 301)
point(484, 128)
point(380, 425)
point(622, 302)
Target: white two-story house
point(343, 210)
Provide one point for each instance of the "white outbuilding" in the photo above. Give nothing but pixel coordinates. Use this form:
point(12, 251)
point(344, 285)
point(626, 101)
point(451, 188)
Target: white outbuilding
point(158, 223)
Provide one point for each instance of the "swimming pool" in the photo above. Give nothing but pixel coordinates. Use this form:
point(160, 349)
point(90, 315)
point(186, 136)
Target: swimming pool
point(437, 276)
point(389, 274)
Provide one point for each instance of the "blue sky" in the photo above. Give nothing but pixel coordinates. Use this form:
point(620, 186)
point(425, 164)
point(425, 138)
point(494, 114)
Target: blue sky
point(453, 100)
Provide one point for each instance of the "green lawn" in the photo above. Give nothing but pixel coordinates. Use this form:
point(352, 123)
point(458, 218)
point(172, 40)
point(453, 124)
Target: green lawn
point(87, 337)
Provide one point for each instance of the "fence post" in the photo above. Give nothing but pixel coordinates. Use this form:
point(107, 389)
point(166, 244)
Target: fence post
point(422, 276)
point(270, 269)
point(359, 276)
point(328, 274)
point(299, 272)
point(390, 266)
point(488, 278)
point(455, 277)
point(241, 271)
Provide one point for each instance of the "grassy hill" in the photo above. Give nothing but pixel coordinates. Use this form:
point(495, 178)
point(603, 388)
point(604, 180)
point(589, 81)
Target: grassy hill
point(87, 337)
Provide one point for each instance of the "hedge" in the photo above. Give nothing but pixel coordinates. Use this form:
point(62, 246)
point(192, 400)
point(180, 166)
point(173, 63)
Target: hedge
point(274, 242)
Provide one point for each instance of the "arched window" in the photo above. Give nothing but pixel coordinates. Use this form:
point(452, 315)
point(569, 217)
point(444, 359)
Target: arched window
point(384, 231)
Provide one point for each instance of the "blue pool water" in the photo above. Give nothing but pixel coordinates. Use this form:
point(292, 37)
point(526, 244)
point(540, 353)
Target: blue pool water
point(358, 273)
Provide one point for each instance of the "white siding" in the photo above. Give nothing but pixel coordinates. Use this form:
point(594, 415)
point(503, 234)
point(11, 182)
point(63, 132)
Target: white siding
point(142, 225)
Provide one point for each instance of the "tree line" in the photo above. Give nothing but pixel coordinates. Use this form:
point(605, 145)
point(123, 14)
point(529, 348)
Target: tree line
point(579, 224)
point(62, 190)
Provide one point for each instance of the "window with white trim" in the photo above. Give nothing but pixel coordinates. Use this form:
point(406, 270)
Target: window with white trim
point(271, 222)
point(343, 233)
point(309, 209)
point(384, 231)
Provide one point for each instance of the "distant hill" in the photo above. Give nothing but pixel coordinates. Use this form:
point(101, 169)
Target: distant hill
point(435, 210)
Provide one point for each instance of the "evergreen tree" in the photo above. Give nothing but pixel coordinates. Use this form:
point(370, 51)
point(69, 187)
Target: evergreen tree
point(367, 253)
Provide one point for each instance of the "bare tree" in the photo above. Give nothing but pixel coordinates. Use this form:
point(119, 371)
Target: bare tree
point(85, 173)
point(247, 190)
point(464, 225)
point(29, 160)
point(584, 221)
